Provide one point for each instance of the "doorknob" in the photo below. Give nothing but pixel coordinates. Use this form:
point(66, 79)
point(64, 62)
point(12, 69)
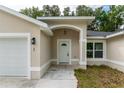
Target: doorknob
point(67, 54)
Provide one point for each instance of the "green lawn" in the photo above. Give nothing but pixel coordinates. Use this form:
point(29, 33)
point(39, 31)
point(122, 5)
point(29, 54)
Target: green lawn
point(99, 77)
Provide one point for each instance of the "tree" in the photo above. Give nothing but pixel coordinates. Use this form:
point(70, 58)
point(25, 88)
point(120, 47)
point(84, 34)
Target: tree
point(46, 10)
point(95, 25)
point(33, 12)
point(114, 17)
point(107, 20)
point(72, 13)
point(66, 11)
point(83, 10)
point(55, 10)
point(51, 10)
point(104, 21)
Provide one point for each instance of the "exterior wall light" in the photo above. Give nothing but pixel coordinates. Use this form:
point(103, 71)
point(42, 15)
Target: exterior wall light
point(33, 41)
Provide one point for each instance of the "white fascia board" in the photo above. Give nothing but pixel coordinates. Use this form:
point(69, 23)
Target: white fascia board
point(65, 18)
point(88, 19)
point(115, 34)
point(93, 37)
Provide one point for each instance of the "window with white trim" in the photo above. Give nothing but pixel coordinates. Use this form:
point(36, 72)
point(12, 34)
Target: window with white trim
point(95, 50)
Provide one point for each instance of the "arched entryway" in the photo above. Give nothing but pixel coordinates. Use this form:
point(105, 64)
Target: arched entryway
point(67, 44)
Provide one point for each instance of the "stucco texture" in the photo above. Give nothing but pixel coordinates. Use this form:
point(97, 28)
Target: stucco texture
point(115, 48)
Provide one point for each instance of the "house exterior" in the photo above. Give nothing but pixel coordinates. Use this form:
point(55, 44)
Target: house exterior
point(28, 46)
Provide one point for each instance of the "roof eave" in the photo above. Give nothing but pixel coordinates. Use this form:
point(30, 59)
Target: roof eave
point(47, 31)
point(88, 19)
point(115, 34)
point(67, 17)
point(106, 37)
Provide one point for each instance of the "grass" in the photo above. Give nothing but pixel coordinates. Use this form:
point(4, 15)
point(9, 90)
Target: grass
point(99, 77)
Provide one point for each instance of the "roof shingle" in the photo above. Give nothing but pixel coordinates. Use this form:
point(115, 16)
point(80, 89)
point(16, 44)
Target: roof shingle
point(98, 33)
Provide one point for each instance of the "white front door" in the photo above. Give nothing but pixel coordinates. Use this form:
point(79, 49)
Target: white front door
point(64, 51)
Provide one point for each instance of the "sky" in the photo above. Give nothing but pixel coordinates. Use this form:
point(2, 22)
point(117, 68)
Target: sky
point(106, 7)
point(21, 4)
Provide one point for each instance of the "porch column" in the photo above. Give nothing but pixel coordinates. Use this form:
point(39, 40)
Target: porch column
point(82, 43)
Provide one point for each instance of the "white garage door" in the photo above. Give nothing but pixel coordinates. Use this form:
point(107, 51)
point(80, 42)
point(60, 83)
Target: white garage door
point(13, 57)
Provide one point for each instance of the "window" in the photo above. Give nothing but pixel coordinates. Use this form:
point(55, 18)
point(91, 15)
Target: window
point(64, 44)
point(95, 50)
point(90, 50)
point(98, 50)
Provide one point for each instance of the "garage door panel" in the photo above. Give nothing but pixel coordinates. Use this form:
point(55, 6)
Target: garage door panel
point(12, 72)
point(13, 56)
point(13, 64)
point(11, 52)
point(10, 59)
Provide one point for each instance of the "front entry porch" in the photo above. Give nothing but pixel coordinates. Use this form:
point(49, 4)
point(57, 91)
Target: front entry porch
point(68, 47)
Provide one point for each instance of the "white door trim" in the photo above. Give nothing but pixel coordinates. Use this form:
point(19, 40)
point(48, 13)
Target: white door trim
point(22, 35)
point(29, 55)
point(59, 40)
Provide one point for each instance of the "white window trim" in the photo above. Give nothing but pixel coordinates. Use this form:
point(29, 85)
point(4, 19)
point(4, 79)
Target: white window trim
point(104, 50)
point(59, 40)
point(22, 35)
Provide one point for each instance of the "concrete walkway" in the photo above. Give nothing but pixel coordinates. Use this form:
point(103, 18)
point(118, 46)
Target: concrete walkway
point(59, 77)
point(56, 77)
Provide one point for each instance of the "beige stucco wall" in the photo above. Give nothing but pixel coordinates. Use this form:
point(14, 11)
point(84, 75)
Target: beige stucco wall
point(70, 34)
point(45, 48)
point(39, 52)
point(115, 52)
point(115, 48)
point(82, 25)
